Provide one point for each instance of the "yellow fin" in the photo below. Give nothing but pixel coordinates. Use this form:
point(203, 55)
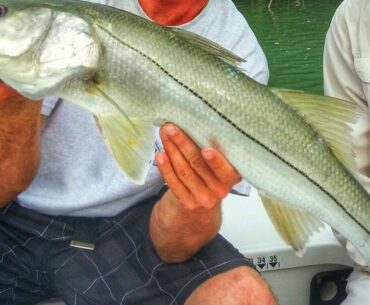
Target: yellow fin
point(294, 226)
point(330, 117)
point(131, 142)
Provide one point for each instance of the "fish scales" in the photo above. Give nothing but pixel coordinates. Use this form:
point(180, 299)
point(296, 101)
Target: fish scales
point(192, 70)
point(159, 75)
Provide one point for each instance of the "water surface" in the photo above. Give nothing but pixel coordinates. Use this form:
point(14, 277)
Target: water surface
point(292, 35)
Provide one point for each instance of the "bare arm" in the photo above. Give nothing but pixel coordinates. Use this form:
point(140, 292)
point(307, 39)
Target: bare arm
point(20, 125)
point(189, 215)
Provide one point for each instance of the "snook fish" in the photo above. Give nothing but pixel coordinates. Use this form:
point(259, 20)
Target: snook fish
point(131, 73)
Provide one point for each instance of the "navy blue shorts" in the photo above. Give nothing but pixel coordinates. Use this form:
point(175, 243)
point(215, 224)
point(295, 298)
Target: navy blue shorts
point(37, 262)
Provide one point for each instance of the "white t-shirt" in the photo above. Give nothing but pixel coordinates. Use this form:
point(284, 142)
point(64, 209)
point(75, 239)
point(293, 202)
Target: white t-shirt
point(78, 176)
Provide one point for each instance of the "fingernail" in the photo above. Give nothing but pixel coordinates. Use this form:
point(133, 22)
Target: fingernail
point(171, 130)
point(207, 154)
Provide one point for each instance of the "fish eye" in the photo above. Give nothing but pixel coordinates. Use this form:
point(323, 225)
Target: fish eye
point(3, 10)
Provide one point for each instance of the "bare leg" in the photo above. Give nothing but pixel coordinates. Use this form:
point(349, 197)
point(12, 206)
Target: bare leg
point(239, 286)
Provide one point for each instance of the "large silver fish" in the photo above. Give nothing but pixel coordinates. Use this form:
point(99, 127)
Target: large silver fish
point(129, 72)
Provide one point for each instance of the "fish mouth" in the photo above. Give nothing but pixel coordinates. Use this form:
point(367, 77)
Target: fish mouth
point(22, 34)
point(22, 31)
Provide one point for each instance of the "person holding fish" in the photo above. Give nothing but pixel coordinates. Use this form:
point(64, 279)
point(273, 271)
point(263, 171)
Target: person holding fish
point(63, 194)
point(347, 76)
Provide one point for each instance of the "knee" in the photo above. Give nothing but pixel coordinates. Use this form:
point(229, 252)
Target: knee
point(250, 286)
point(239, 286)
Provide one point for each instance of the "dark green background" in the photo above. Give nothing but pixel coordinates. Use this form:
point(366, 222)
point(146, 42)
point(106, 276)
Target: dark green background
point(292, 35)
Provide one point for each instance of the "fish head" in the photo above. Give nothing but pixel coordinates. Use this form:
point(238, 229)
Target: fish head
point(42, 47)
point(20, 34)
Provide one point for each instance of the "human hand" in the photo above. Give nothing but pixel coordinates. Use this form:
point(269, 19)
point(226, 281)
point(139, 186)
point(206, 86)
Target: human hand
point(197, 177)
point(189, 214)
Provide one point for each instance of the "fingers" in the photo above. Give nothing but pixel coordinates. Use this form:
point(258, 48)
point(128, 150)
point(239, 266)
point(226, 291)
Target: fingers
point(224, 171)
point(173, 182)
point(183, 169)
point(187, 159)
point(194, 175)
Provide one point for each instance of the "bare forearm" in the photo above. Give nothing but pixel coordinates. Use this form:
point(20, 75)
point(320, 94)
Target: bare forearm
point(20, 124)
point(176, 233)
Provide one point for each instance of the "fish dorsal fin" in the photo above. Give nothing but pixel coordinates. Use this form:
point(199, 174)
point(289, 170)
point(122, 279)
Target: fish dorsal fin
point(210, 47)
point(130, 140)
point(294, 226)
point(330, 117)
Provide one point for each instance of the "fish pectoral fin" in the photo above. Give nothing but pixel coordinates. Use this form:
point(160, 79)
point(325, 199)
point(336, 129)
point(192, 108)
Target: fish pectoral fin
point(330, 117)
point(293, 225)
point(131, 141)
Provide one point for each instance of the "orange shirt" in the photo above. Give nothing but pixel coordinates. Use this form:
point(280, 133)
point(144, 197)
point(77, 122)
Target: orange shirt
point(172, 12)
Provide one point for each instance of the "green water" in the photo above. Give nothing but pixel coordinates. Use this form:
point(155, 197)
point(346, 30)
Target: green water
point(292, 35)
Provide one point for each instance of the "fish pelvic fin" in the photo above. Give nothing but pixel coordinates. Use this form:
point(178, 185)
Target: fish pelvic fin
point(293, 225)
point(330, 117)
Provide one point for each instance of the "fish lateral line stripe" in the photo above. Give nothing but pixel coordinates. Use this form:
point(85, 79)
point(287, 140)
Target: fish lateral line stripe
point(235, 126)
